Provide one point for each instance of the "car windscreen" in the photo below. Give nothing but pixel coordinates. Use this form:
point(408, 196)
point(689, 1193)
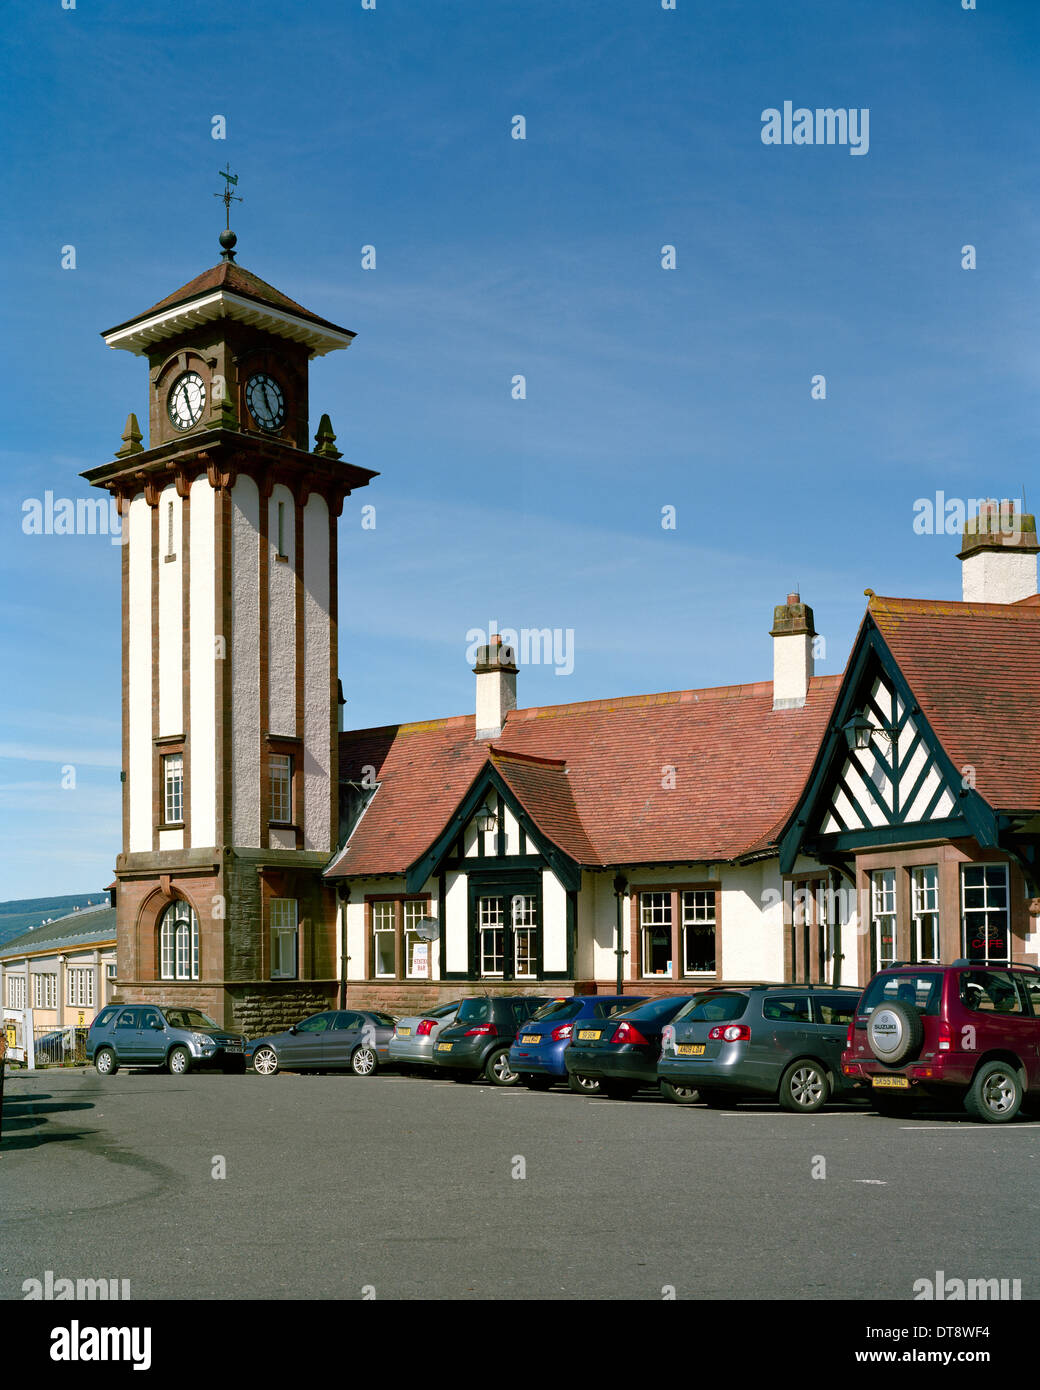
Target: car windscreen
point(923, 990)
point(558, 1009)
point(188, 1018)
point(474, 1011)
point(714, 1008)
point(382, 1020)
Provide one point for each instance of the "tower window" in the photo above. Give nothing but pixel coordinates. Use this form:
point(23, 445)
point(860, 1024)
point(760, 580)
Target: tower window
point(173, 789)
point(282, 552)
point(281, 770)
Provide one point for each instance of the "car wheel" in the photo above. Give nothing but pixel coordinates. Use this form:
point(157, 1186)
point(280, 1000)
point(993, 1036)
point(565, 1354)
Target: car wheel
point(681, 1095)
point(363, 1061)
point(995, 1094)
point(584, 1085)
point(619, 1090)
point(895, 1032)
point(498, 1069)
point(179, 1062)
point(105, 1063)
point(265, 1061)
point(537, 1083)
point(804, 1088)
point(719, 1100)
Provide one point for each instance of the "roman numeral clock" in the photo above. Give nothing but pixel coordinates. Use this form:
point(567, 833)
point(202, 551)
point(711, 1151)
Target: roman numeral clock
point(229, 653)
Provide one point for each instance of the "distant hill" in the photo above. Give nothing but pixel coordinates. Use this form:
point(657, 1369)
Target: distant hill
point(23, 914)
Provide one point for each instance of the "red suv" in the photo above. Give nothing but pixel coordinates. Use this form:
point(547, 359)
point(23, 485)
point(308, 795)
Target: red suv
point(931, 1031)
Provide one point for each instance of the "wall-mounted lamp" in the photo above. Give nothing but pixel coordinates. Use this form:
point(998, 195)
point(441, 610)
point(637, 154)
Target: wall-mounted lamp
point(486, 820)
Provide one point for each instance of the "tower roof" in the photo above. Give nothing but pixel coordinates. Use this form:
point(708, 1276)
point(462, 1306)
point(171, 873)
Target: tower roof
point(228, 290)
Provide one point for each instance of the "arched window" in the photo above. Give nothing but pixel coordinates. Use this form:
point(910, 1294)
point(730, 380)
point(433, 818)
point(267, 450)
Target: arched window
point(179, 943)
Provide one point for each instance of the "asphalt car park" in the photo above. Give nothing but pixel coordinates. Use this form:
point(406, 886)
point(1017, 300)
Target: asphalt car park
point(302, 1186)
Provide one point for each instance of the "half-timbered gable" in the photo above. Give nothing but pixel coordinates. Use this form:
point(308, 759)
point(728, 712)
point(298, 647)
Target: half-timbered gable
point(926, 789)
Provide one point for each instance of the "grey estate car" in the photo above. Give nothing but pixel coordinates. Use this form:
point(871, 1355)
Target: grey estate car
point(780, 1041)
point(175, 1038)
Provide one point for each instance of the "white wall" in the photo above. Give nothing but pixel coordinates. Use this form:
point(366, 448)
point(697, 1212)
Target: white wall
point(245, 663)
point(554, 922)
point(139, 674)
point(317, 713)
point(282, 614)
point(202, 655)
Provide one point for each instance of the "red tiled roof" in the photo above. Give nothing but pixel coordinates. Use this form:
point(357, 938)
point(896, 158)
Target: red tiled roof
point(598, 792)
point(237, 280)
point(974, 669)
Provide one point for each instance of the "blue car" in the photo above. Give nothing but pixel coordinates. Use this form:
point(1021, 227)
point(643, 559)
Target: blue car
point(537, 1053)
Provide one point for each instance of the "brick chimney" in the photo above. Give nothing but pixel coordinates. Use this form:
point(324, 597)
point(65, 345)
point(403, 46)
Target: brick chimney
point(998, 558)
point(792, 635)
point(496, 686)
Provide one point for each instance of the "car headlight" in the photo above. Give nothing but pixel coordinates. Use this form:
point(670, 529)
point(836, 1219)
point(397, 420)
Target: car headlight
point(202, 1041)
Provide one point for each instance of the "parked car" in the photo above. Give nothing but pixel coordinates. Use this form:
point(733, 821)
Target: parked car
point(477, 1043)
point(176, 1038)
point(780, 1041)
point(415, 1036)
point(537, 1053)
point(336, 1040)
point(621, 1052)
point(964, 1031)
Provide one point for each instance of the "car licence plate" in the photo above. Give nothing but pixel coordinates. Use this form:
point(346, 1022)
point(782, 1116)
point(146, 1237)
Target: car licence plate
point(590, 1034)
point(232, 1047)
point(890, 1083)
point(445, 1047)
point(530, 1037)
point(404, 1032)
point(690, 1049)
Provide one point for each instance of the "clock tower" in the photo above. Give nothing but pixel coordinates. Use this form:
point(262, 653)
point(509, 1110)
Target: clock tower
point(229, 655)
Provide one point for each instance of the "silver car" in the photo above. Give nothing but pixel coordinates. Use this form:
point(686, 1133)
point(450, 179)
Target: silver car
point(412, 1044)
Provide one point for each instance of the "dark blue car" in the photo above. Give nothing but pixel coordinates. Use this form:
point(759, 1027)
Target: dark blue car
point(537, 1053)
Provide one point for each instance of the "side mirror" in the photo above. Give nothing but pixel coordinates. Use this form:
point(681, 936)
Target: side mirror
point(161, 1027)
point(294, 1029)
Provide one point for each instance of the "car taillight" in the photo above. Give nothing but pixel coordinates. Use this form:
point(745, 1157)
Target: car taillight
point(850, 1036)
point(627, 1034)
point(564, 1031)
point(667, 1035)
point(425, 1028)
point(945, 1039)
point(731, 1032)
point(488, 1029)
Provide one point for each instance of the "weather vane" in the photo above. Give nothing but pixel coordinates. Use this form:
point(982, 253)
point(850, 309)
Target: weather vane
point(227, 237)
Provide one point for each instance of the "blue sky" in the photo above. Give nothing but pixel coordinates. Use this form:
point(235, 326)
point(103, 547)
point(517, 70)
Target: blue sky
point(646, 387)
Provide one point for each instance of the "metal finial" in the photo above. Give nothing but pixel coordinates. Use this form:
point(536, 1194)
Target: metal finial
point(227, 236)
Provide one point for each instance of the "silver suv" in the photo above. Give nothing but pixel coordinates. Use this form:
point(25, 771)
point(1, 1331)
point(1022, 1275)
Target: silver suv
point(174, 1038)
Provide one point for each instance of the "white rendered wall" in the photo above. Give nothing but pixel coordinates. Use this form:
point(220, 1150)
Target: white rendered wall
point(281, 665)
point(139, 674)
point(171, 615)
point(245, 663)
point(454, 922)
point(792, 668)
point(554, 922)
point(317, 752)
point(998, 576)
point(202, 656)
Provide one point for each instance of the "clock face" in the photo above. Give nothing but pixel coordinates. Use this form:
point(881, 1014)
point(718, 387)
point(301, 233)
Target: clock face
point(266, 401)
point(187, 399)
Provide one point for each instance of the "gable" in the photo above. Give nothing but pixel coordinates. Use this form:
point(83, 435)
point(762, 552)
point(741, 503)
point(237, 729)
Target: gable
point(903, 787)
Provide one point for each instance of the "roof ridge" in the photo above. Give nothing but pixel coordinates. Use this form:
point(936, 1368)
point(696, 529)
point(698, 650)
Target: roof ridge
point(1022, 609)
point(666, 697)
